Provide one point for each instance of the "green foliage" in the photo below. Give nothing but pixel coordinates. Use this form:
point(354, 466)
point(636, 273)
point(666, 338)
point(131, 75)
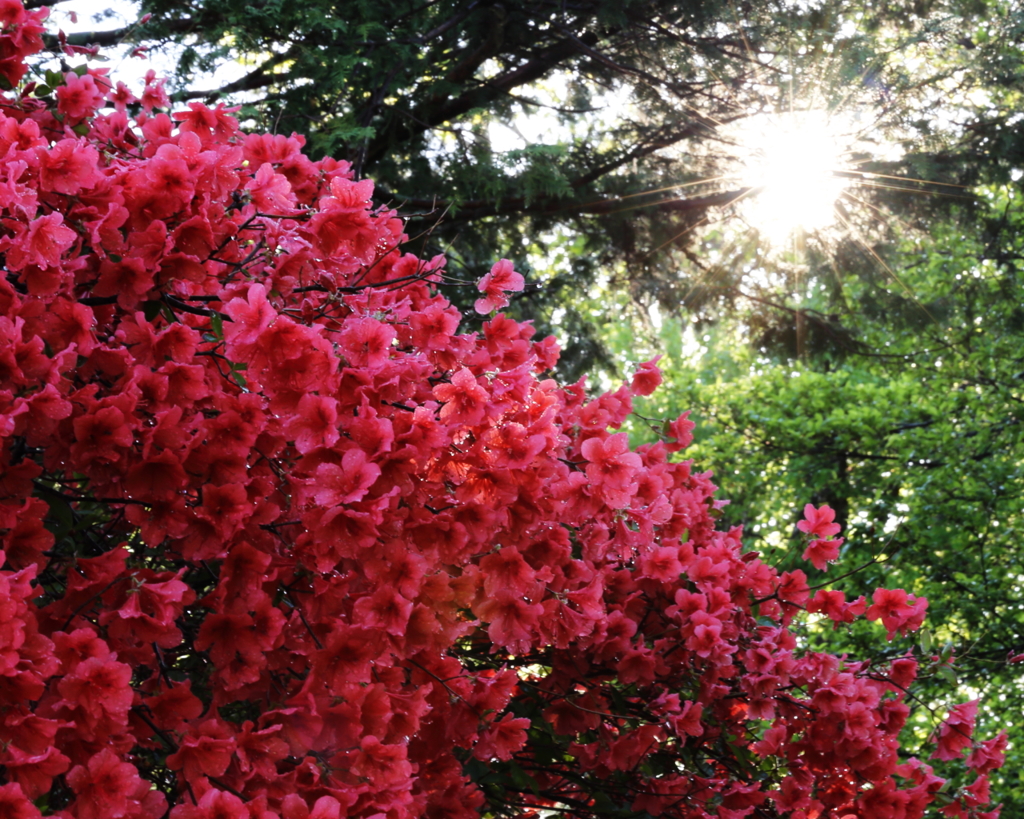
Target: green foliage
point(914, 437)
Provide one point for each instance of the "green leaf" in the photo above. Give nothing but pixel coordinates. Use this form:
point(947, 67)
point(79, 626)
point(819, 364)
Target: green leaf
point(521, 779)
point(151, 309)
point(62, 517)
point(236, 375)
point(168, 313)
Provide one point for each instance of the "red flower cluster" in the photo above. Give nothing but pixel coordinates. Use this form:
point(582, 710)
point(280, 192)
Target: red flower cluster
point(278, 542)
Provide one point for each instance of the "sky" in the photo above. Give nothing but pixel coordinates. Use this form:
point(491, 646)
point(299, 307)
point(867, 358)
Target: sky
point(102, 15)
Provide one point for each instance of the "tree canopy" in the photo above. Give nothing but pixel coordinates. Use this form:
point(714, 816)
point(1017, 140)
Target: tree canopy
point(415, 95)
point(639, 100)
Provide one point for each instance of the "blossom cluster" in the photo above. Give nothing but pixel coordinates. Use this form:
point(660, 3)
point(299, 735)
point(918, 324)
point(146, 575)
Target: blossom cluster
point(278, 541)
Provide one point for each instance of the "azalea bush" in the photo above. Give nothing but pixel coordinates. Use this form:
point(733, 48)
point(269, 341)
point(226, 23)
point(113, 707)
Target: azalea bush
point(280, 542)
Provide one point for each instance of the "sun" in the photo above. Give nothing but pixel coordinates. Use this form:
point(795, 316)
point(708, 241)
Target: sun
point(792, 163)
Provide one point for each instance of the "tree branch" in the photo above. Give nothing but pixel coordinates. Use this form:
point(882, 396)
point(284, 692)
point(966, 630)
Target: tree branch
point(610, 63)
point(257, 78)
point(454, 20)
point(437, 110)
point(701, 124)
point(114, 36)
point(547, 206)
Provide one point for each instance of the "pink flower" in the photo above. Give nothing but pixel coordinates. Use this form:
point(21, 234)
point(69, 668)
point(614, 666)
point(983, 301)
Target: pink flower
point(512, 621)
point(681, 430)
point(270, 191)
point(42, 244)
point(347, 483)
point(819, 522)
point(989, 755)
point(822, 552)
point(502, 739)
point(121, 96)
point(648, 378)
point(367, 342)
point(78, 98)
point(154, 96)
point(612, 468)
point(897, 610)
point(465, 401)
point(833, 605)
point(214, 803)
point(495, 284)
point(15, 805)
point(955, 733)
point(67, 167)
point(105, 787)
